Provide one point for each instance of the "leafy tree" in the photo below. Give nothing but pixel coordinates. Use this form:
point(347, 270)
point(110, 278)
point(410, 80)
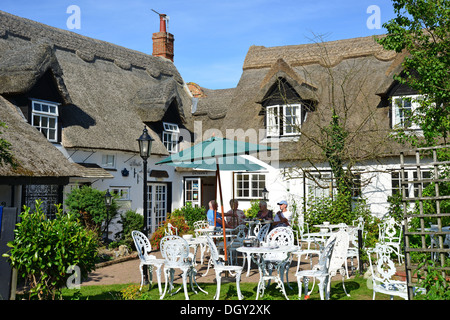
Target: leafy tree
point(45, 251)
point(90, 204)
point(421, 28)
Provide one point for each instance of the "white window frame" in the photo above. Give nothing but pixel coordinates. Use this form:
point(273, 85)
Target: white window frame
point(399, 119)
point(123, 192)
point(41, 109)
point(170, 136)
point(106, 163)
point(276, 126)
point(246, 189)
point(316, 191)
point(411, 188)
point(396, 186)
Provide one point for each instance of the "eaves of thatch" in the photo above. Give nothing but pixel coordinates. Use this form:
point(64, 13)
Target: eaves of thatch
point(311, 69)
point(35, 155)
point(109, 91)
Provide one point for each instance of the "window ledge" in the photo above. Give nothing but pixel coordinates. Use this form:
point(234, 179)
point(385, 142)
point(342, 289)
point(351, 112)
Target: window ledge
point(292, 138)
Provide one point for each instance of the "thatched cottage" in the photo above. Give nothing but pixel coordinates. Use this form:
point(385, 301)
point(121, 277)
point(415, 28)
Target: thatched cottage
point(75, 106)
point(90, 100)
point(285, 97)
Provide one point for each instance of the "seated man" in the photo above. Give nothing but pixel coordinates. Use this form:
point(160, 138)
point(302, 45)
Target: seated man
point(282, 217)
point(210, 215)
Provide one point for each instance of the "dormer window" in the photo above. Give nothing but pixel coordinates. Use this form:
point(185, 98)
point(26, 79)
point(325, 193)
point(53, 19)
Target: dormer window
point(283, 120)
point(44, 117)
point(170, 136)
point(403, 107)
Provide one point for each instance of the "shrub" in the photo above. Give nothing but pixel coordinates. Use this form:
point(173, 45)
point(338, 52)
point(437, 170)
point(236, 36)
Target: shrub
point(177, 222)
point(43, 250)
point(336, 210)
point(191, 214)
point(89, 203)
point(130, 221)
point(253, 210)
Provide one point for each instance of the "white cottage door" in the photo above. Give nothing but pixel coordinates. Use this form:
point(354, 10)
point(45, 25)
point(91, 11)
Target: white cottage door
point(157, 205)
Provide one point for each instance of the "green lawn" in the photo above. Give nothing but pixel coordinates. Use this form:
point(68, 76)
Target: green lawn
point(356, 287)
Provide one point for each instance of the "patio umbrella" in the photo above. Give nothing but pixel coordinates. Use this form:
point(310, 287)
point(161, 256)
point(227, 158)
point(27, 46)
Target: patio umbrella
point(217, 154)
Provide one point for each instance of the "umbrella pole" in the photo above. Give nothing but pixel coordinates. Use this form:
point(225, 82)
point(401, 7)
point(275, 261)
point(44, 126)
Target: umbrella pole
point(215, 196)
point(223, 218)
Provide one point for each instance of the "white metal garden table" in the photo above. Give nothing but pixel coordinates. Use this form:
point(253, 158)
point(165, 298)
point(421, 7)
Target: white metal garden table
point(257, 254)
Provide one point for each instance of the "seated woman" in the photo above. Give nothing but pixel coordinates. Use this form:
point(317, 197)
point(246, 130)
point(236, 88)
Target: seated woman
point(235, 216)
point(263, 212)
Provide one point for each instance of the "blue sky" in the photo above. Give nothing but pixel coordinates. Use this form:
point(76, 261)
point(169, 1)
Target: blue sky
point(212, 37)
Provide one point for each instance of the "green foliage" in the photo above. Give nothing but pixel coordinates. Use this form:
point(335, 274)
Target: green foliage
point(421, 27)
point(130, 221)
point(89, 203)
point(437, 288)
point(176, 221)
point(43, 250)
point(335, 210)
point(6, 157)
point(190, 213)
point(253, 210)
point(395, 209)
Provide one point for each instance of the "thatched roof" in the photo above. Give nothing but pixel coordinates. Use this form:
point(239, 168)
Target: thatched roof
point(310, 70)
point(35, 155)
point(109, 92)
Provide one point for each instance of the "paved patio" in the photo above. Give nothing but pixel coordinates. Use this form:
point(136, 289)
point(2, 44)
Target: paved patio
point(128, 272)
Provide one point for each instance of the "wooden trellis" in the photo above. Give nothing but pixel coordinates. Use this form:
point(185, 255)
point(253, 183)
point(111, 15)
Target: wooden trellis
point(425, 232)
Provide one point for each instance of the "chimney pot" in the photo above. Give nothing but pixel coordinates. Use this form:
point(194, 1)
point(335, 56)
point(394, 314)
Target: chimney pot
point(162, 23)
point(162, 40)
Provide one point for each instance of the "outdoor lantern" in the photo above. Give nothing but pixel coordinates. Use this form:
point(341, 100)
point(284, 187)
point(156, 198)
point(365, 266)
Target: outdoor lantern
point(108, 199)
point(145, 147)
point(265, 194)
point(145, 144)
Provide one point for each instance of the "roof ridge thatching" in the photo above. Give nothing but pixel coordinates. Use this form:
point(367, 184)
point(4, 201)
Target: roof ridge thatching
point(311, 53)
point(109, 91)
point(86, 48)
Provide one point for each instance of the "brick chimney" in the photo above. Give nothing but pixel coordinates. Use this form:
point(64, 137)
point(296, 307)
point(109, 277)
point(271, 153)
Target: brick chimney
point(162, 40)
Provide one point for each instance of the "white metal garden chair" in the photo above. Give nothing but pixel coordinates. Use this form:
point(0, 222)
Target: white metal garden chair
point(260, 237)
point(390, 233)
point(201, 224)
point(238, 241)
point(319, 270)
point(175, 251)
point(302, 237)
point(220, 267)
point(144, 248)
point(281, 236)
point(383, 269)
point(170, 230)
point(336, 264)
